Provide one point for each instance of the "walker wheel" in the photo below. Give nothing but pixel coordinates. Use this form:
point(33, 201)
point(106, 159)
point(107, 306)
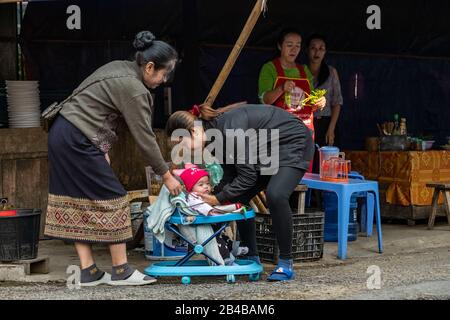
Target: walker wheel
point(231, 278)
point(185, 280)
point(254, 277)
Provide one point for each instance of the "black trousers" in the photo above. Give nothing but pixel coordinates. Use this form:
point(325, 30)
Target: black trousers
point(279, 188)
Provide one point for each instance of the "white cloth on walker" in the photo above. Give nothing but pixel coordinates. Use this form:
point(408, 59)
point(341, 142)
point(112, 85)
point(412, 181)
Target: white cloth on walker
point(161, 211)
point(198, 234)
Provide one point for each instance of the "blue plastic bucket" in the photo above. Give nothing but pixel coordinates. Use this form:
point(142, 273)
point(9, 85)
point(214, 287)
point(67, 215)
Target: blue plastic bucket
point(330, 204)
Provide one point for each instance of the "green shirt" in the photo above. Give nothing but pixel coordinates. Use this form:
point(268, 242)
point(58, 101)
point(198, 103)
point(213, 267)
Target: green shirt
point(268, 75)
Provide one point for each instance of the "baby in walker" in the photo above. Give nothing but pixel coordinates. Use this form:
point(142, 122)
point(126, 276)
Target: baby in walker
point(197, 182)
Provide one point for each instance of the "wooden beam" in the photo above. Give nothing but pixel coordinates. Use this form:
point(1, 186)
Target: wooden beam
point(10, 1)
point(240, 43)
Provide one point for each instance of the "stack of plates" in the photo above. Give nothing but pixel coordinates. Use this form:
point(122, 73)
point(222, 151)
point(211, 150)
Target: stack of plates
point(23, 104)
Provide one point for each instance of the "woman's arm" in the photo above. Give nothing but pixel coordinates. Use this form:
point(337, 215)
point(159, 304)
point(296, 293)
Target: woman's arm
point(210, 199)
point(137, 115)
point(266, 91)
point(329, 138)
point(271, 96)
point(171, 183)
point(245, 179)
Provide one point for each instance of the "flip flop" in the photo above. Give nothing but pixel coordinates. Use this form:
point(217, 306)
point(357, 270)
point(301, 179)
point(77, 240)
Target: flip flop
point(136, 279)
point(281, 274)
point(105, 279)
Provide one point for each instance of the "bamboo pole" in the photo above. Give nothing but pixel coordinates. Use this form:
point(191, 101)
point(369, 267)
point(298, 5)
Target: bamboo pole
point(240, 43)
point(261, 208)
point(9, 1)
point(262, 196)
point(254, 207)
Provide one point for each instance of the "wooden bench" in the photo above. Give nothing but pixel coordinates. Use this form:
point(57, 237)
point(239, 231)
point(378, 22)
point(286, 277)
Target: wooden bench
point(438, 187)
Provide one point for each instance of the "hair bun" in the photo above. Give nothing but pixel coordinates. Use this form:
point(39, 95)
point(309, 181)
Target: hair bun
point(143, 40)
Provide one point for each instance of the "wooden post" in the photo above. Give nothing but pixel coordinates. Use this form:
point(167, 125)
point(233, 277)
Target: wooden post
point(9, 1)
point(301, 189)
point(434, 205)
point(240, 43)
point(438, 187)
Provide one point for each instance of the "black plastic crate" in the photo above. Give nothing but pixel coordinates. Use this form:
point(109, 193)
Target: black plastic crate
point(307, 240)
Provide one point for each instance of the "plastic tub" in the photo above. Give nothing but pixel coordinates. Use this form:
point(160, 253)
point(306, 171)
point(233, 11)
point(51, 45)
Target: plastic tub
point(19, 235)
point(330, 203)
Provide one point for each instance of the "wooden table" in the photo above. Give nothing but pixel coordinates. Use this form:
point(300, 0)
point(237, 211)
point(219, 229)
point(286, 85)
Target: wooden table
point(403, 178)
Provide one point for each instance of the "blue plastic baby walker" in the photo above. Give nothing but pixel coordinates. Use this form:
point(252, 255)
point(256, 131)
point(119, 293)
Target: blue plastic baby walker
point(185, 268)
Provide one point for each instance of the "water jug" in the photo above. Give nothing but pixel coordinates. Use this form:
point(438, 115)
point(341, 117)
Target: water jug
point(333, 166)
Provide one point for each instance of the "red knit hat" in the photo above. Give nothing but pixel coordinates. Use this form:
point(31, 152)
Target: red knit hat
point(191, 175)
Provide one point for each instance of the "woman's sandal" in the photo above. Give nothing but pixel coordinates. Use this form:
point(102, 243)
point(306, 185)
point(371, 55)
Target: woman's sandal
point(281, 273)
point(136, 279)
point(105, 279)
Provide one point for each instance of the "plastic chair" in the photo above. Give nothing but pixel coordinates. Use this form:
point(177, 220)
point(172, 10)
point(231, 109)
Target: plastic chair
point(344, 191)
point(186, 268)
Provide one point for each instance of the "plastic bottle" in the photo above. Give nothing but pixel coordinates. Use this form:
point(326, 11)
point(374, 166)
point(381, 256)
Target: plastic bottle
point(287, 99)
point(396, 125)
point(403, 130)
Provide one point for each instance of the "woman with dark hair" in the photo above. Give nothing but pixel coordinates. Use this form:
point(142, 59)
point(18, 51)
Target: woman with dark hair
point(86, 202)
point(243, 178)
point(282, 79)
point(324, 77)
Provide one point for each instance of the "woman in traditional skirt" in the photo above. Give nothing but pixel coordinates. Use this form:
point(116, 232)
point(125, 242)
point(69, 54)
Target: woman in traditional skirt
point(86, 203)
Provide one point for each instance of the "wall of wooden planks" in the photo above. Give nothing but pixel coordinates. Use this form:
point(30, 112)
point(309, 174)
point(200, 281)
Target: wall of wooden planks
point(24, 168)
point(127, 162)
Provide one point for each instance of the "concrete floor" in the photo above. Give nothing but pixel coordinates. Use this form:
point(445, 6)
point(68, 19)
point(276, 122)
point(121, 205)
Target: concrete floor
point(415, 265)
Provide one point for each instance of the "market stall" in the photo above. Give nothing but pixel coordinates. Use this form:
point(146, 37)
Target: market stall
point(60, 58)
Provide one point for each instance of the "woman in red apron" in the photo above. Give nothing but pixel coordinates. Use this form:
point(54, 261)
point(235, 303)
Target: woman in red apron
point(285, 83)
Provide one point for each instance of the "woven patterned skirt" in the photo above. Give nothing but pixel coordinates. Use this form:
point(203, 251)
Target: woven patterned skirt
point(86, 201)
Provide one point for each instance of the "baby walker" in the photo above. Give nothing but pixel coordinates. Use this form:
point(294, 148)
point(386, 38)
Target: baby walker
point(185, 267)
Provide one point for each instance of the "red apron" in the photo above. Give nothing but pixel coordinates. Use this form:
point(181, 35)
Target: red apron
point(306, 113)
